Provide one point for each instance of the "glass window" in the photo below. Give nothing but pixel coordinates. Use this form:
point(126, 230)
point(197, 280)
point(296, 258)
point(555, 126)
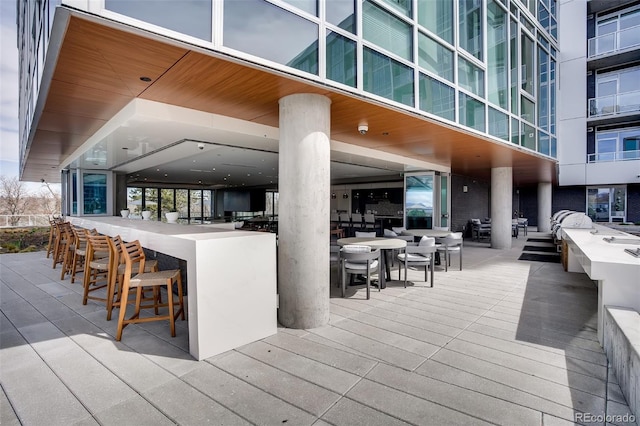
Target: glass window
point(387, 78)
point(527, 51)
point(309, 6)
point(528, 109)
point(134, 200)
point(498, 124)
point(182, 202)
point(387, 31)
point(435, 57)
point(528, 136)
point(150, 201)
point(74, 192)
point(191, 17)
point(341, 59)
point(470, 15)
point(497, 54)
point(543, 143)
point(470, 77)
point(471, 112)
point(269, 32)
point(513, 30)
point(94, 191)
point(167, 197)
point(196, 206)
point(342, 14)
point(437, 17)
point(554, 147)
point(437, 98)
point(543, 89)
point(402, 6)
point(552, 96)
point(515, 131)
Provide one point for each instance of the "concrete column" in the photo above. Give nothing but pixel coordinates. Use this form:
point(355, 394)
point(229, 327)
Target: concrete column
point(544, 207)
point(303, 211)
point(501, 207)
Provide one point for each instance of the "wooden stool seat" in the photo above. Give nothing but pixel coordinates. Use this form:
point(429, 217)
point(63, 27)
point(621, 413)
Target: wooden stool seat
point(134, 257)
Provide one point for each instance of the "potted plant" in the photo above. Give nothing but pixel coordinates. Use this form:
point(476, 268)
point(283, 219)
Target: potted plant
point(124, 213)
point(171, 216)
point(146, 214)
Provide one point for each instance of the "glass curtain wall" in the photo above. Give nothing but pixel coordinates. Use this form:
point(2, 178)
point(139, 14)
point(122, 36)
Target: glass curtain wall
point(397, 42)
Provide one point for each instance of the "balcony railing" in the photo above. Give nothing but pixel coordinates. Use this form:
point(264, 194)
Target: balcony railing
point(614, 42)
point(614, 156)
point(620, 103)
point(22, 220)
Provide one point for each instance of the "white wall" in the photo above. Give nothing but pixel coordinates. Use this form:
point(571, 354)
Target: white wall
point(572, 91)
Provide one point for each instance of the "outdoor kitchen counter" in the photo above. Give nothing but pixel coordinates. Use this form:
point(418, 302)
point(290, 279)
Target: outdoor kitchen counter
point(617, 273)
point(231, 277)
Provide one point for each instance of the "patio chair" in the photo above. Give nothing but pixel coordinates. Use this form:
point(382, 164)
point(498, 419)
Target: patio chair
point(417, 255)
point(359, 260)
point(363, 234)
point(451, 244)
point(523, 223)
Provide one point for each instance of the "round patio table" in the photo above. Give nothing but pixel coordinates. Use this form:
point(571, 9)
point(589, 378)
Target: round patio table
point(384, 244)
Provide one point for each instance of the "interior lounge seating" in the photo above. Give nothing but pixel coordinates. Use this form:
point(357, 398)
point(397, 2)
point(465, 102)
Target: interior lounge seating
point(480, 229)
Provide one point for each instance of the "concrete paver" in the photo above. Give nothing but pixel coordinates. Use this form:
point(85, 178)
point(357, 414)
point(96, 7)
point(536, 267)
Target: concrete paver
point(501, 342)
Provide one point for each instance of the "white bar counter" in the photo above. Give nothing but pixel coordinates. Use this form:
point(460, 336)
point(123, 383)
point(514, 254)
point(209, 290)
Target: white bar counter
point(616, 272)
point(231, 277)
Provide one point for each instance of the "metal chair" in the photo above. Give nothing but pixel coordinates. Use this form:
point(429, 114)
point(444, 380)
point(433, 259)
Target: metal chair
point(359, 260)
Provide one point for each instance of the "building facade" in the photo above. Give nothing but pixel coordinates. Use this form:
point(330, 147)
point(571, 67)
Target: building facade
point(599, 169)
point(204, 103)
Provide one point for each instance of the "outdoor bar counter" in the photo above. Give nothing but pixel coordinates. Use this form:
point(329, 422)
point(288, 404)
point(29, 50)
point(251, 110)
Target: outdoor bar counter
point(604, 260)
point(231, 277)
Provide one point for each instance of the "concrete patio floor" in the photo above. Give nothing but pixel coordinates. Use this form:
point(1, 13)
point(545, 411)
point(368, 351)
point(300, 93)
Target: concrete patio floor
point(503, 341)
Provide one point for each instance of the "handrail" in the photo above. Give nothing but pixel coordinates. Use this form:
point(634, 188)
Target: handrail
point(23, 220)
point(614, 156)
point(613, 42)
point(619, 103)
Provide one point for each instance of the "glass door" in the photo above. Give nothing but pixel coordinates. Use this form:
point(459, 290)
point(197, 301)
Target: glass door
point(444, 201)
point(607, 204)
point(419, 200)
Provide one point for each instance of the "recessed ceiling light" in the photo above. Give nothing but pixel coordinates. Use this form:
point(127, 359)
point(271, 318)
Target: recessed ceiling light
point(385, 133)
point(214, 169)
point(145, 79)
point(157, 170)
point(124, 147)
point(165, 175)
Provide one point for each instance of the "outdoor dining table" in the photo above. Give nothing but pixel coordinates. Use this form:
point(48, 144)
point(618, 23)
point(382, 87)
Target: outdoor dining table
point(384, 244)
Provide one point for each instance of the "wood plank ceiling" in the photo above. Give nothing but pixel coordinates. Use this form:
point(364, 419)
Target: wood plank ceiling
point(99, 71)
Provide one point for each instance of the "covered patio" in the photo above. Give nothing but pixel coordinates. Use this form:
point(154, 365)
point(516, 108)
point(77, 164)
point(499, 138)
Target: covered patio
point(503, 341)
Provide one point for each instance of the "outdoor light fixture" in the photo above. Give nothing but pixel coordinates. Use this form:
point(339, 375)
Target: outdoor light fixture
point(333, 195)
point(345, 195)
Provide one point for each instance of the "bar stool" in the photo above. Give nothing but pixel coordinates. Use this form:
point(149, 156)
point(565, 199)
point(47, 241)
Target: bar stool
point(100, 266)
point(116, 287)
point(135, 261)
point(80, 242)
point(52, 234)
point(62, 239)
